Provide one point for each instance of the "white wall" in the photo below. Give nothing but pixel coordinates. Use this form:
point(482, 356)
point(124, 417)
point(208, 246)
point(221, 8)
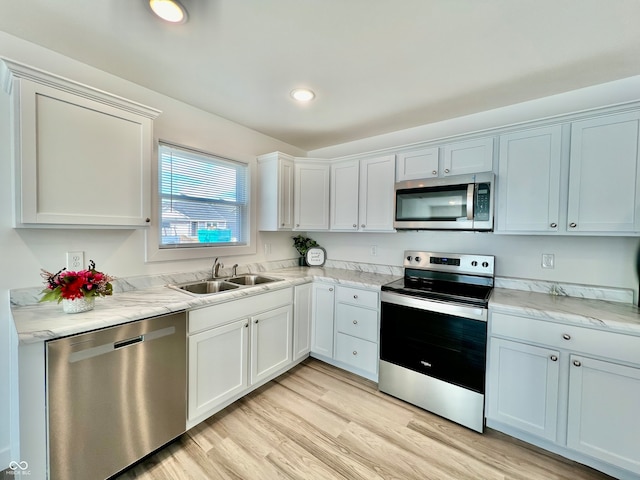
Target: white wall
point(118, 252)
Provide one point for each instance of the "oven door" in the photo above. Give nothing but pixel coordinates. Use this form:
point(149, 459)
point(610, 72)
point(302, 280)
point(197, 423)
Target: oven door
point(441, 340)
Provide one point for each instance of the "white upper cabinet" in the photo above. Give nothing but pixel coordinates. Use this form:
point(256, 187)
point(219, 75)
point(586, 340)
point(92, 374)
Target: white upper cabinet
point(362, 194)
point(580, 178)
point(275, 192)
point(603, 175)
point(311, 197)
point(529, 181)
point(82, 156)
point(417, 164)
point(470, 156)
point(459, 158)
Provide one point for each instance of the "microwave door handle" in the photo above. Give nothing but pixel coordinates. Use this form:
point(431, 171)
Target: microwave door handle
point(471, 188)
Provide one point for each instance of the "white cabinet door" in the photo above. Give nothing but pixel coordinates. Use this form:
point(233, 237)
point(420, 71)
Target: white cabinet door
point(217, 366)
point(377, 194)
point(302, 316)
point(271, 342)
point(417, 164)
point(345, 178)
point(529, 181)
point(99, 151)
point(275, 192)
point(470, 156)
point(522, 387)
point(603, 417)
point(311, 204)
point(322, 323)
point(603, 175)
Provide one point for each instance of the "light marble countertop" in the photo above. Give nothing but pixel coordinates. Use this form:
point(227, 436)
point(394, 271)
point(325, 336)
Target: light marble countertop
point(45, 321)
point(602, 314)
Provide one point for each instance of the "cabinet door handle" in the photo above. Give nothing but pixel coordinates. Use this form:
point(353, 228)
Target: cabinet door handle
point(553, 225)
point(331, 289)
point(147, 220)
point(282, 225)
point(355, 353)
point(355, 297)
point(355, 225)
point(554, 358)
point(362, 226)
point(566, 336)
point(246, 325)
point(434, 172)
point(446, 170)
point(577, 363)
point(355, 322)
point(297, 225)
point(573, 225)
point(255, 321)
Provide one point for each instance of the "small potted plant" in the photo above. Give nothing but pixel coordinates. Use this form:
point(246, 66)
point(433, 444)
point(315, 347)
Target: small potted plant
point(76, 290)
point(302, 244)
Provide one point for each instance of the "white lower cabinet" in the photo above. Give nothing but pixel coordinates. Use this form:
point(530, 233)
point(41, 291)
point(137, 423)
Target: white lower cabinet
point(236, 346)
point(302, 315)
point(271, 342)
point(217, 366)
point(570, 389)
point(524, 381)
point(346, 328)
point(603, 417)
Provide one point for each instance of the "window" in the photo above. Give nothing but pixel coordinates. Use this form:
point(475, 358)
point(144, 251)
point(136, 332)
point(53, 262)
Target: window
point(202, 202)
point(203, 199)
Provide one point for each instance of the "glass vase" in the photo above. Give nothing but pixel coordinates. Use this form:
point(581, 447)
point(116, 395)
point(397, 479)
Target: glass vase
point(78, 305)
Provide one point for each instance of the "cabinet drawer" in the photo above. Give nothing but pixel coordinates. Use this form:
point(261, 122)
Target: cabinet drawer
point(357, 322)
point(357, 296)
point(356, 352)
point(574, 338)
point(222, 313)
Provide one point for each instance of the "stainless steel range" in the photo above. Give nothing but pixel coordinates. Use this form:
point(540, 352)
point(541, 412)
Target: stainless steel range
point(433, 334)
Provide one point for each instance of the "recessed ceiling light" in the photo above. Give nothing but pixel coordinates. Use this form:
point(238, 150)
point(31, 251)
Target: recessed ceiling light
point(303, 94)
point(169, 10)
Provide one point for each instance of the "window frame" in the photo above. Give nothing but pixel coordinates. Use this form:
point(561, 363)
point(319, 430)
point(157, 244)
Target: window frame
point(153, 236)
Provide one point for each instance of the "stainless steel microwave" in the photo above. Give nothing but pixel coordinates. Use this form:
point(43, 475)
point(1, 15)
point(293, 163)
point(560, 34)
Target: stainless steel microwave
point(463, 202)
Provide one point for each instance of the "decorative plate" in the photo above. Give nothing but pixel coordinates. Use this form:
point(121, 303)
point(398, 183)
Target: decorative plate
point(316, 256)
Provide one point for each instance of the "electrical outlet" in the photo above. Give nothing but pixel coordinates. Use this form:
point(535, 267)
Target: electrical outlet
point(548, 260)
point(75, 261)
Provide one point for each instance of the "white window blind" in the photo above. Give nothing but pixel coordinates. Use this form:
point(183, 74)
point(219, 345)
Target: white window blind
point(203, 199)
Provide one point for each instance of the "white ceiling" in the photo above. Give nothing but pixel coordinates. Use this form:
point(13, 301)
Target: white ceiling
point(376, 66)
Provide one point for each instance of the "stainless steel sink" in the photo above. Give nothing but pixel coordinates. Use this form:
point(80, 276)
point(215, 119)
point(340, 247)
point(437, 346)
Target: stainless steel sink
point(206, 287)
point(252, 280)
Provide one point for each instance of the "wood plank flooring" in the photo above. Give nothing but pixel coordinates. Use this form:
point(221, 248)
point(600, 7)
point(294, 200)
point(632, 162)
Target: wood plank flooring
point(319, 422)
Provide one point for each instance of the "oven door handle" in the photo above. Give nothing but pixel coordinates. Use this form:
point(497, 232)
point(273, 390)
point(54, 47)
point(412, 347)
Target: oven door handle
point(463, 311)
point(471, 188)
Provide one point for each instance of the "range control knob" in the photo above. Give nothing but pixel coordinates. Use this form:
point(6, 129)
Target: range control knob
point(418, 259)
point(485, 264)
point(409, 258)
point(474, 263)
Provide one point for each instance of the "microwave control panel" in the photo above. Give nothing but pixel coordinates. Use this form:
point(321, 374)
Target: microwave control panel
point(483, 196)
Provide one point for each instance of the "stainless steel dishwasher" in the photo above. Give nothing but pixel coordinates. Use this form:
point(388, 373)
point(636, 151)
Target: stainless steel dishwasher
point(115, 395)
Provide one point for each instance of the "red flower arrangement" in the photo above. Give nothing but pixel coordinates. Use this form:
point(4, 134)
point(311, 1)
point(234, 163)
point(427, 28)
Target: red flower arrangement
point(66, 284)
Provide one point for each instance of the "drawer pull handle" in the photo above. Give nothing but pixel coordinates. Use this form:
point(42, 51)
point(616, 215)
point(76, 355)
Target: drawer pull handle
point(573, 225)
point(355, 353)
point(355, 297)
point(566, 336)
point(554, 225)
point(355, 322)
point(577, 363)
point(554, 358)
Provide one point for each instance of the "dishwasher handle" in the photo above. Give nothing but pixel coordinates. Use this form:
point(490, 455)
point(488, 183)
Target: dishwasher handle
point(127, 342)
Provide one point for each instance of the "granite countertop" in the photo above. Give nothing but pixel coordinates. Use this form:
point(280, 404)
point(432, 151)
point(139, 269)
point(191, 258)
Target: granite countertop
point(45, 321)
point(602, 314)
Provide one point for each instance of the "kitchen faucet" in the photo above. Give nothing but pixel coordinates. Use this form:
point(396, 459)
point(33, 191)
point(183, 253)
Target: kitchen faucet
point(215, 268)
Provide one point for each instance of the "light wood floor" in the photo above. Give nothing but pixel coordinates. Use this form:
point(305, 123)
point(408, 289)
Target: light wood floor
point(319, 422)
